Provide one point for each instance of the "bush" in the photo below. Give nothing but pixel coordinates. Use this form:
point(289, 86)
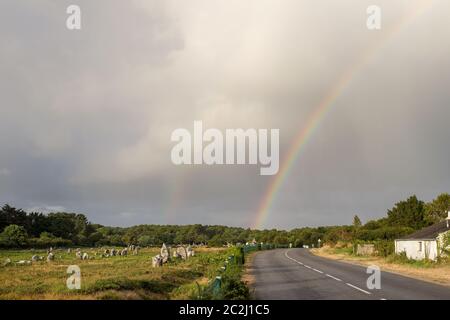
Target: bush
point(234, 289)
point(14, 236)
point(403, 259)
point(385, 233)
point(42, 243)
point(384, 248)
point(238, 255)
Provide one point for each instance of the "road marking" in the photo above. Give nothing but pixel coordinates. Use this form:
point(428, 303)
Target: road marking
point(383, 299)
point(355, 287)
point(317, 270)
point(329, 275)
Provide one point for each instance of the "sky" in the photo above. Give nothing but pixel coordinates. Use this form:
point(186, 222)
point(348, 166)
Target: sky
point(86, 115)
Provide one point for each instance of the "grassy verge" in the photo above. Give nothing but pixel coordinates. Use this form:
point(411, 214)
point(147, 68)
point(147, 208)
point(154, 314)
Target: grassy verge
point(227, 284)
point(248, 275)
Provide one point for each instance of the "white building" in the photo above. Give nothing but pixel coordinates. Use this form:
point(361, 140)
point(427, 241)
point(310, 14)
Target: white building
point(426, 243)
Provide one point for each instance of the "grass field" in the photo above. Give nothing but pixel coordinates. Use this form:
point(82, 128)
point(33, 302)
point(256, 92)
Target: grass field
point(128, 277)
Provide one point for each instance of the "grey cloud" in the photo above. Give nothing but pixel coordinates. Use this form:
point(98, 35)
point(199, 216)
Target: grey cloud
point(86, 116)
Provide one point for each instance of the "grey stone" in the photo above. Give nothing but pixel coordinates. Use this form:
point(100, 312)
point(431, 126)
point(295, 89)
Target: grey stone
point(157, 261)
point(182, 252)
point(50, 257)
point(165, 253)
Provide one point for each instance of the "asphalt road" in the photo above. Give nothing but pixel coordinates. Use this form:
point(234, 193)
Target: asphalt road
point(296, 274)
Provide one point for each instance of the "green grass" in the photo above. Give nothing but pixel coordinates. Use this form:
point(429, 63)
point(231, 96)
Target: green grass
point(130, 277)
point(348, 251)
point(426, 263)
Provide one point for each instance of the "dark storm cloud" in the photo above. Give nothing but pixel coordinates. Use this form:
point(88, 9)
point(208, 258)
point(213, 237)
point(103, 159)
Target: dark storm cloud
point(86, 116)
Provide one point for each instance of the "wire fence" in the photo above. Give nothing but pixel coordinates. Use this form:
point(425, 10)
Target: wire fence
point(232, 266)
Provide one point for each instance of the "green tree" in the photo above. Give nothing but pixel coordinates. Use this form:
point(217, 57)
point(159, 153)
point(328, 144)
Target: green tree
point(437, 209)
point(10, 215)
point(145, 241)
point(409, 213)
point(356, 221)
point(15, 235)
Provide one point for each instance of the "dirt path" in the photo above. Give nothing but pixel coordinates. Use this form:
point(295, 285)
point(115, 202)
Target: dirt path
point(248, 276)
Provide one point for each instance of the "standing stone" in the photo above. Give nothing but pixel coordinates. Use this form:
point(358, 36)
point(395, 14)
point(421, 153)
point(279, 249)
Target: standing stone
point(190, 252)
point(85, 256)
point(182, 252)
point(157, 261)
point(35, 258)
point(79, 255)
point(69, 250)
point(124, 252)
point(50, 257)
point(165, 253)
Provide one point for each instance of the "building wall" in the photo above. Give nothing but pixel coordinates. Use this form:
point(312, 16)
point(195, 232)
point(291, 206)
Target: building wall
point(411, 247)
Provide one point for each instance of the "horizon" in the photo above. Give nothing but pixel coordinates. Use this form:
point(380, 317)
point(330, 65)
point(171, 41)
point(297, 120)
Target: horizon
point(349, 223)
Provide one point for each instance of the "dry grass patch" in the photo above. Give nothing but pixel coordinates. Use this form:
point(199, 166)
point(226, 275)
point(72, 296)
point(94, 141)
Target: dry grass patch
point(129, 277)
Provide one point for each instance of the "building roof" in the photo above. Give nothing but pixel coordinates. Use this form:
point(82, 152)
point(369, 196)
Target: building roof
point(430, 232)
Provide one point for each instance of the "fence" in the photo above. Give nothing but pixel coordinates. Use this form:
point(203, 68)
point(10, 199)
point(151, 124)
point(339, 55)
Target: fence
point(235, 260)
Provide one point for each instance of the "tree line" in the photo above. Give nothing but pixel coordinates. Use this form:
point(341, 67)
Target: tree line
point(38, 230)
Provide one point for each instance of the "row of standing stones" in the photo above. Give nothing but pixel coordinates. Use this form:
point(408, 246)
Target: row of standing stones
point(181, 252)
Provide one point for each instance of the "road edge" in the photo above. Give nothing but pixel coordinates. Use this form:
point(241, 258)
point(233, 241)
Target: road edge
point(384, 268)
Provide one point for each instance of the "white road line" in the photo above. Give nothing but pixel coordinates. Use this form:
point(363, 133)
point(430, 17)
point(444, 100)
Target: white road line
point(383, 299)
point(329, 275)
point(317, 270)
point(355, 287)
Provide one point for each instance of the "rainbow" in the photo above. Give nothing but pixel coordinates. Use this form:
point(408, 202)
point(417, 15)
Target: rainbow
point(322, 109)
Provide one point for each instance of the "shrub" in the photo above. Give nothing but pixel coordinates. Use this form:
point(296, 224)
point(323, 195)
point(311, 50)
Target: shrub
point(14, 236)
point(384, 248)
